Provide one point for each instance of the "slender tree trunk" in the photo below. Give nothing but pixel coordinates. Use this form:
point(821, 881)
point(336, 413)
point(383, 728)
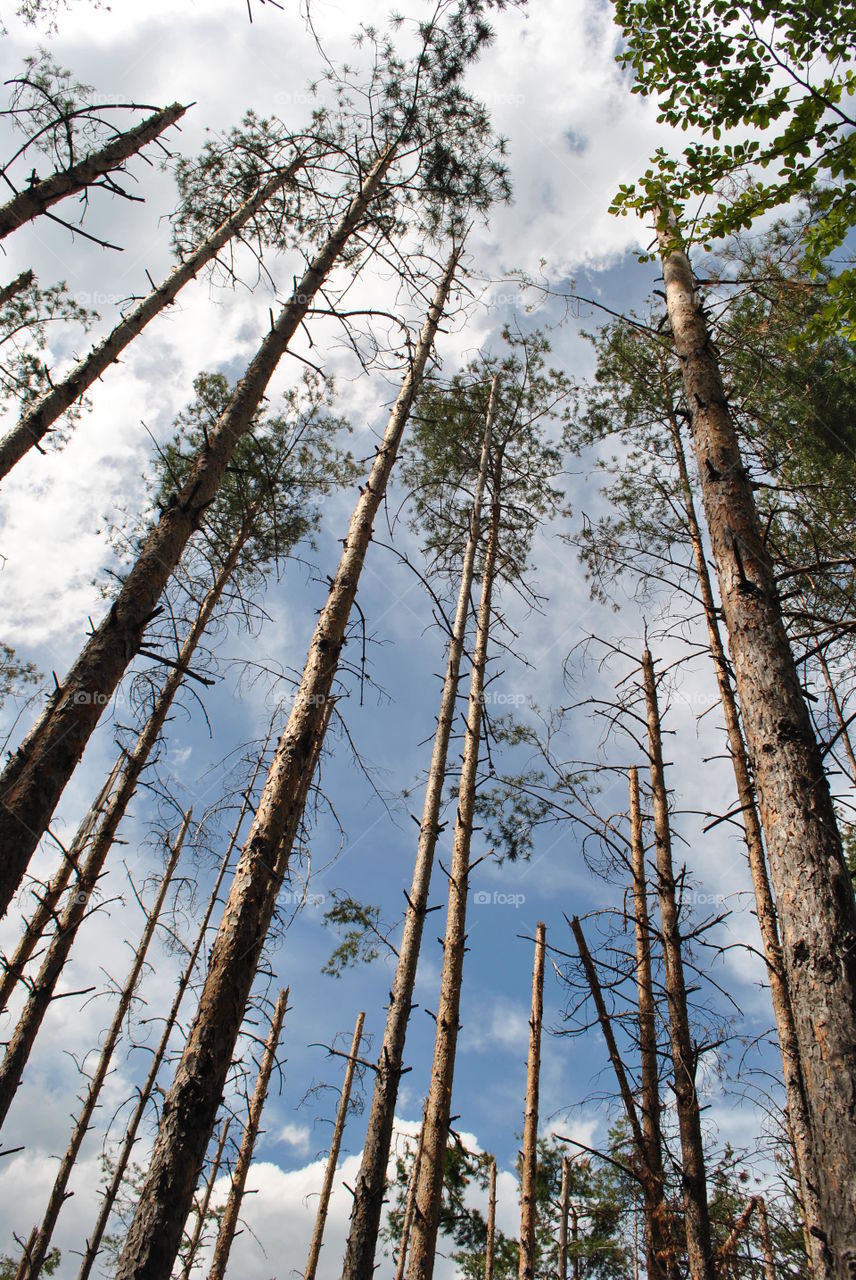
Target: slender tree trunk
point(410, 1207)
point(93, 1244)
point(77, 905)
point(564, 1206)
point(38, 419)
point(843, 727)
point(192, 1102)
point(529, 1167)
point(202, 1205)
point(661, 1260)
point(34, 778)
point(44, 193)
point(693, 1175)
point(229, 1221)
point(371, 1180)
point(31, 1264)
point(490, 1239)
point(780, 996)
point(16, 286)
point(731, 1241)
point(429, 1189)
point(333, 1158)
point(770, 1271)
point(575, 1240)
point(48, 899)
point(814, 895)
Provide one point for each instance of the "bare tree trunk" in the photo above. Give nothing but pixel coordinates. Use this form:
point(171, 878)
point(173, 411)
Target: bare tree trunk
point(410, 1206)
point(203, 1204)
point(333, 1158)
point(843, 727)
point(16, 286)
point(437, 1113)
point(529, 1167)
point(39, 417)
point(192, 1102)
point(34, 778)
point(229, 1221)
point(77, 905)
point(371, 1180)
point(693, 1176)
point(43, 193)
point(93, 1244)
point(31, 1265)
point(770, 1271)
point(814, 896)
point(490, 1239)
point(731, 1241)
point(780, 996)
point(48, 899)
point(575, 1240)
point(564, 1206)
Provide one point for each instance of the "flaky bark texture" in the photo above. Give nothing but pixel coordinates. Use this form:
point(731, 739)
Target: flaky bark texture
point(31, 1263)
point(529, 1165)
point(93, 1244)
point(333, 1157)
point(44, 193)
point(371, 1180)
point(792, 1075)
point(77, 904)
point(490, 1238)
point(438, 1110)
point(191, 1105)
point(814, 895)
point(40, 417)
point(34, 778)
point(693, 1173)
point(229, 1221)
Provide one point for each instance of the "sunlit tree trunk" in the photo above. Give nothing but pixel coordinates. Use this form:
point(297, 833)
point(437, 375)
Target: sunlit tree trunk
point(192, 1102)
point(529, 1166)
point(371, 1179)
point(770, 1269)
point(490, 1239)
point(564, 1208)
point(410, 1206)
point(203, 1203)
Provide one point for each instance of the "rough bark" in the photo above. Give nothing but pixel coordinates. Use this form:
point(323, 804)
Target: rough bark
point(35, 776)
point(333, 1157)
point(37, 421)
point(31, 1263)
point(371, 1180)
point(191, 1105)
point(16, 286)
point(410, 1206)
point(50, 896)
point(693, 1173)
point(529, 1166)
point(764, 906)
point(45, 192)
point(490, 1239)
point(93, 1244)
point(229, 1221)
point(437, 1113)
point(813, 892)
point(77, 905)
point(201, 1206)
point(564, 1206)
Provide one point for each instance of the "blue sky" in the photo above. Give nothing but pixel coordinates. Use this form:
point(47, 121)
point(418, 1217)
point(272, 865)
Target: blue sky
point(575, 133)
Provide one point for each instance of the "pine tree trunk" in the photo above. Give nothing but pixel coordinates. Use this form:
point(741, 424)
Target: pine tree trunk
point(47, 902)
point(490, 1239)
point(814, 895)
point(202, 1205)
point(410, 1207)
point(843, 727)
point(44, 193)
point(731, 1241)
point(529, 1167)
point(34, 778)
point(16, 286)
point(93, 1244)
point(661, 1260)
point(32, 1262)
point(764, 905)
point(229, 1221)
point(39, 417)
point(191, 1105)
point(693, 1174)
point(429, 1189)
point(575, 1239)
point(371, 1180)
point(333, 1157)
point(77, 906)
point(564, 1206)
point(770, 1270)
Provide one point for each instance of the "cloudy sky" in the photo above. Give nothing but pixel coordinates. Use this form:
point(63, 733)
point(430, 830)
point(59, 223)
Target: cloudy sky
point(575, 132)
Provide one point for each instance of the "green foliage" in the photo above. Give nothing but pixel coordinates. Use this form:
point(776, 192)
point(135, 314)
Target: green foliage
point(15, 675)
point(362, 941)
point(27, 320)
point(9, 1264)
